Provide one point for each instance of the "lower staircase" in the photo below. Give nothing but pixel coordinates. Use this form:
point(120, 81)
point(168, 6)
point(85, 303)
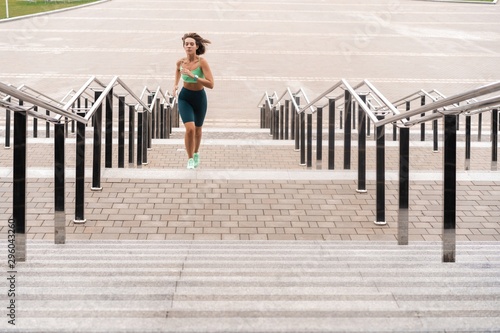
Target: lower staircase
point(256, 286)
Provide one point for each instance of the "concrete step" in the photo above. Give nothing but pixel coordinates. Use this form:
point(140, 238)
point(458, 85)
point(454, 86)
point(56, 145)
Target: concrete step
point(234, 286)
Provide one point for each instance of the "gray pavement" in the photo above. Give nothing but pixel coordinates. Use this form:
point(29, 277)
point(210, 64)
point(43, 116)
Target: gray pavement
point(166, 249)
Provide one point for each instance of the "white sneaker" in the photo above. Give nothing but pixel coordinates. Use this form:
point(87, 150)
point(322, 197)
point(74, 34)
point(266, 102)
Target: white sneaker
point(196, 159)
point(190, 164)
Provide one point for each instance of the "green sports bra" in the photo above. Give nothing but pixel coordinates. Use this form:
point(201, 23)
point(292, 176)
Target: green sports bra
point(197, 71)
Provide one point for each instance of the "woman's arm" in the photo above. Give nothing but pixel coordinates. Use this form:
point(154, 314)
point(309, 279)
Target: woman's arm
point(208, 81)
point(177, 77)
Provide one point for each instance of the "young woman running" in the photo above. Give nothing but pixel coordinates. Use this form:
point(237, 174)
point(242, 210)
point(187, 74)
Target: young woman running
point(192, 99)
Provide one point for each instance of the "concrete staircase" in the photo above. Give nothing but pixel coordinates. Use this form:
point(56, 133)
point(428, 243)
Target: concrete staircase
point(255, 286)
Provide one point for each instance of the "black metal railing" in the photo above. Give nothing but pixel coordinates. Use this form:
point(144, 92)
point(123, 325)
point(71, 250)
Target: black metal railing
point(83, 107)
point(373, 107)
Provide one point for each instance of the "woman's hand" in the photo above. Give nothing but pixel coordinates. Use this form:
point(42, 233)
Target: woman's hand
point(187, 72)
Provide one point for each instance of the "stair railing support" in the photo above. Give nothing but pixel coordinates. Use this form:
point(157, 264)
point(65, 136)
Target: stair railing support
point(146, 134)
point(140, 135)
point(59, 184)
point(302, 138)
point(422, 125)
point(331, 134)
point(96, 164)
point(131, 134)
point(108, 163)
point(19, 183)
point(319, 137)
point(287, 118)
point(121, 131)
point(449, 187)
point(467, 141)
point(361, 148)
point(309, 140)
point(404, 185)
point(494, 139)
point(380, 161)
point(80, 172)
point(347, 130)
point(7, 127)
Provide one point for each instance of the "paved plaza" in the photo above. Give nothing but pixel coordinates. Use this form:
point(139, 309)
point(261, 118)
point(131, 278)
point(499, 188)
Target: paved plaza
point(252, 241)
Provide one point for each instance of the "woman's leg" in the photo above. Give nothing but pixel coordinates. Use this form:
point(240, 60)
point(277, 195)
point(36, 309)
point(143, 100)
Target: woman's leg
point(201, 112)
point(197, 138)
point(190, 139)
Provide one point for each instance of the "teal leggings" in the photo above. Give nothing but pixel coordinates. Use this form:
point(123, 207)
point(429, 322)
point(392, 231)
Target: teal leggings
point(193, 106)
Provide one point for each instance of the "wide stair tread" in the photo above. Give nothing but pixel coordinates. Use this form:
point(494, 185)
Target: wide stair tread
point(186, 286)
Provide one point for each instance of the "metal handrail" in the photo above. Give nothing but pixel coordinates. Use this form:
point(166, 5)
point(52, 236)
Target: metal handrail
point(82, 89)
point(323, 95)
point(64, 110)
point(28, 89)
point(158, 93)
point(115, 81)
point(483, 90)
point(265, 98)
point(21, 95)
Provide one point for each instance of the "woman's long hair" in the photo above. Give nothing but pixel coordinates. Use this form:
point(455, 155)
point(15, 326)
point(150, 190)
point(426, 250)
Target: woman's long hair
point(200, 42)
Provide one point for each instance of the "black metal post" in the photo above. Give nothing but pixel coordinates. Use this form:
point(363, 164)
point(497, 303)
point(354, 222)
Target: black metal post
point(169, 116)
point(347, 130)
point(309, 140)
point(96, 165)
point(302, 138)
point(435, 136)
point(152, 116)
point(296, 131)
point(494, 139)
point(422, 125)
point(297, 124)
point(282, 121)
point(404, 185)
point(121, 131)
point(293, 118)
point(157, 119)
point(35, 123)
point(19, 183)
point(262, 117)
point(362, 148)
point(80, 172)
point(331, 134)
point(467, 141)
point(131, 133)
point(140, 135)
point(109, 131)
point(47, 125)
point(149, 132)
point(163, 121)
point(353, 110)
point(145, 136)
point(380, 161)
point(287, 118)
point(66, 124)
point(341, 119)
point(276, 123)
point(450, 187)
point(479, 126)
point(270, 117)
point(368, 127)
point(59, 183)
point(319, 136)
point(7, 127)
